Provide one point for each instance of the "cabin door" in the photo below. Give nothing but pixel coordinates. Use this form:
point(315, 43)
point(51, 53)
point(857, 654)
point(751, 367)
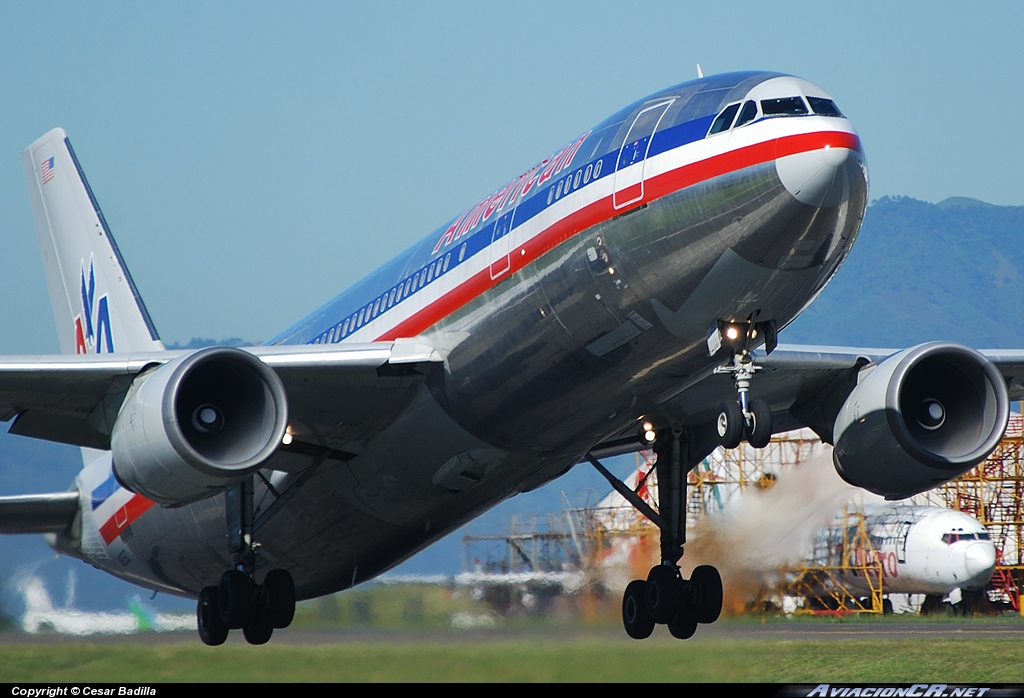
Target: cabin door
point(630, 168)
point(501, 240)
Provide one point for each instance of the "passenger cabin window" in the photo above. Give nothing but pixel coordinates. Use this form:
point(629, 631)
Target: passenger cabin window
point(783, 106)
point(824, 107)
point(724, 120)
point(748, 113)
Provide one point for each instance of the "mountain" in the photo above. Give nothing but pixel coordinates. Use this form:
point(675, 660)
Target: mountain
point(920, 272)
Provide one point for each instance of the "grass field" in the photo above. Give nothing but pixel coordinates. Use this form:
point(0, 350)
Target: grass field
point(408, 633)
point(455, 657)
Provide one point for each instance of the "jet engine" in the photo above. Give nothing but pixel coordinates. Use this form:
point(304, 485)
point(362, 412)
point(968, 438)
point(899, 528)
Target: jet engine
point(194, 426)
point(919, 419)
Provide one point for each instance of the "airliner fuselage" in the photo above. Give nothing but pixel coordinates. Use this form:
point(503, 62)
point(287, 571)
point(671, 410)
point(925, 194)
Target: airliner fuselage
point(910, 550)
point(567, 304)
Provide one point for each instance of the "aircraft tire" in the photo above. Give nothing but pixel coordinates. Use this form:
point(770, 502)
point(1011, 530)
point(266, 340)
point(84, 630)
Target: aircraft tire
point(761, 424)
point(635, 618)
point(259, 628)
point(236, 599)
point(709, 586)
point(664, 593)
point(212, 630)
point(280, 592)
point(730, 424)
point(684, 624)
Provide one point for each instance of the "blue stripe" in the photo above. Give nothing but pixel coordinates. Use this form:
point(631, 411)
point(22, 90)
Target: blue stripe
point(104, 491)
point(317, 326)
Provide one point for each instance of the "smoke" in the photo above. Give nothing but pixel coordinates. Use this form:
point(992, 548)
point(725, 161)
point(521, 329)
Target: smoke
point(70, 589)
point(763, 530)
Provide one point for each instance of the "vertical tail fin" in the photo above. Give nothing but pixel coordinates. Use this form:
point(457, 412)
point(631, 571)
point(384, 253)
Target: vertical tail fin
point(96, 305)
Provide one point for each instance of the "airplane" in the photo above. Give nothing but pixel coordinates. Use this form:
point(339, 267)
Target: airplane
point(625, 292)
point(41, 616)
point(911, 549)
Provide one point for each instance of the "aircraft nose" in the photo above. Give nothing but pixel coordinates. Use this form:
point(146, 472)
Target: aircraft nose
point(824, 177)
point(980, 560)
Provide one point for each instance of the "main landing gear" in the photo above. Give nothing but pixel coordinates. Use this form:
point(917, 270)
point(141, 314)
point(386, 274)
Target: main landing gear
point(665, 597)
point(238, 602)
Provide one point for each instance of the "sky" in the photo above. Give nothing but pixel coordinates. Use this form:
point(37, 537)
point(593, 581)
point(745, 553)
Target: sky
point(254, 159)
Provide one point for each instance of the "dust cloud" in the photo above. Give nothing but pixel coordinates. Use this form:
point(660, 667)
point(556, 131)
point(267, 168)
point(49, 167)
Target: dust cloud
point(764, 529)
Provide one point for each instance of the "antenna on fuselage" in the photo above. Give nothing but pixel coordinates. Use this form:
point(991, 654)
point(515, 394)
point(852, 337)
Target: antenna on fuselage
point(700, 73)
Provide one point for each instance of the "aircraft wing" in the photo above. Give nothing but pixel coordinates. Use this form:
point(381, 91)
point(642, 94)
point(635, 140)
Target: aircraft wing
point(74, 398)
point(805, 386)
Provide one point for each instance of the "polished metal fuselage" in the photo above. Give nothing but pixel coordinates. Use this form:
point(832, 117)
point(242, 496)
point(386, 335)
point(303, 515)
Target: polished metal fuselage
point(603, 328)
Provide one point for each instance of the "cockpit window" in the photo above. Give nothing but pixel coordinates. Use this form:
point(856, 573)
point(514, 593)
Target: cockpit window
point(950, 538)
point(724, 120)
point(824, 107)
point(748, 114)
point(783, 106)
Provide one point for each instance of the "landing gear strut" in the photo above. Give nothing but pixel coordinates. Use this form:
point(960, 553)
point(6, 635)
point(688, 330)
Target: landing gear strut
point(665, 597)
point(238, 602)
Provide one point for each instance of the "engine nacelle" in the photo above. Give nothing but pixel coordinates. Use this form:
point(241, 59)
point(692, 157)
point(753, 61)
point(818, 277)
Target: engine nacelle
point(197, 425)
point(919, 419)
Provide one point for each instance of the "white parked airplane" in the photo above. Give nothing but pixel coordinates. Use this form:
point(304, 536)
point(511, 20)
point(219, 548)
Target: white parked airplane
point(912, 549)
point(42, 617)
point(636, 277)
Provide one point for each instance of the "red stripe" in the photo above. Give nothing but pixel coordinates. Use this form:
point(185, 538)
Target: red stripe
point(602, 210)
point(132, 510)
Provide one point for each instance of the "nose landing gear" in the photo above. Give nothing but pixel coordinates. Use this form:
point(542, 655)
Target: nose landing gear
point(745, 418)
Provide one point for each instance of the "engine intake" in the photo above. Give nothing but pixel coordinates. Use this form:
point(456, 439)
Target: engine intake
point(920, 418)
point(194, 426)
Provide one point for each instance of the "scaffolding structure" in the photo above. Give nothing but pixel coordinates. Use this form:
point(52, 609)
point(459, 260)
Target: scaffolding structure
point(599, 548)
point(840, 575)
point(993, 493)
point(536, 544)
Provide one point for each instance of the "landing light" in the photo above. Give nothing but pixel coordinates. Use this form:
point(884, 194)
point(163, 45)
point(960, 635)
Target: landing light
point(287, 438)
point(732, 332)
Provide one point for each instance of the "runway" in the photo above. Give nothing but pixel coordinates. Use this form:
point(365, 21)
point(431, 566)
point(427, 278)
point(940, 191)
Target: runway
point(729, 629)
